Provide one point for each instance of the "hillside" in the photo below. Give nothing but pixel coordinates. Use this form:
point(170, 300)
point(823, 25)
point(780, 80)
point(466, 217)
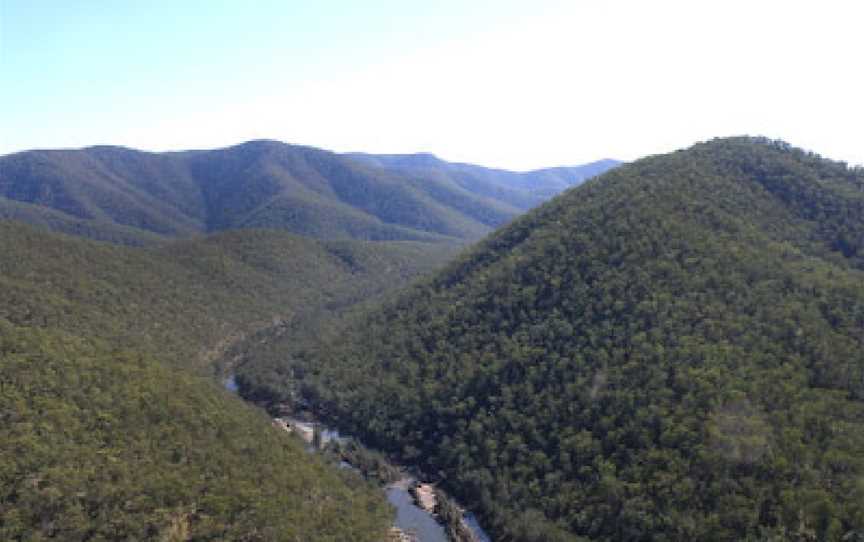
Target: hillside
point(102, 443)
point(107, 430)
point(522, 190)
point(134, 197)
point(182, 300)
point(673, 351)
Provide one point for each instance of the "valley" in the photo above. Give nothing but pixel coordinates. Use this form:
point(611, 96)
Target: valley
point(670, 350)
point(110, 284)
point(447, 271)
point(416, 518)
point(649, 353)
point(109, 406)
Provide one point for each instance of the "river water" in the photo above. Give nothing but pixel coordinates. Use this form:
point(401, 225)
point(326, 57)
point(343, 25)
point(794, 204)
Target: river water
point(409, 517)
point(412, 519)
point(230, 384)
point(474, 525)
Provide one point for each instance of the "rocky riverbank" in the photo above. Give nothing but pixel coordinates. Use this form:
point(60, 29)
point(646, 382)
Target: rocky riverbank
point(424, 512)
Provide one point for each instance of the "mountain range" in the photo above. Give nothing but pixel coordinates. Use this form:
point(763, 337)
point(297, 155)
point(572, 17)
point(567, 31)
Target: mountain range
point(135, 197)
point(671, 350)
point(113, 424)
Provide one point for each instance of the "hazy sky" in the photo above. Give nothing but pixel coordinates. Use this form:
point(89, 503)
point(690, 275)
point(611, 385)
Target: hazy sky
point(515, 84)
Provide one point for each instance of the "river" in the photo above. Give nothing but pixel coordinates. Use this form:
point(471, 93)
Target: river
point(410, 518)
point(230, 384)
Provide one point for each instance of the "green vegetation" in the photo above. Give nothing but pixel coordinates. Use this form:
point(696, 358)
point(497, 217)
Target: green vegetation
point(104, 444)
point(127, 196)
point(450, 515)
point(672, 351)
point(520, 190)
point(371, 464)
point(58, 221)
point(187, 301)
point(111, 425)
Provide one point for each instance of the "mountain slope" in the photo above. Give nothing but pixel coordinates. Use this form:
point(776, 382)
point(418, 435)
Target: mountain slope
point(109, 432)
point(520, 190)
point(112, 192)
point(96, 229)
point(673, 351)
point(100, 443)
point(182, 299)
point(147, 191)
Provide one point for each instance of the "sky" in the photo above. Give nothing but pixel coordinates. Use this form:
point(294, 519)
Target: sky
point(502, 83)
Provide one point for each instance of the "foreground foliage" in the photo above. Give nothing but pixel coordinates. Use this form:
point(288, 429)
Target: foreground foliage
point(672, 351)
point(105, 444)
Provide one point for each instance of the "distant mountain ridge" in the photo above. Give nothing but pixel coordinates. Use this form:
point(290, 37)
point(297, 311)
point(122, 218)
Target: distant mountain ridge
point(130, 196)
point(520, 189)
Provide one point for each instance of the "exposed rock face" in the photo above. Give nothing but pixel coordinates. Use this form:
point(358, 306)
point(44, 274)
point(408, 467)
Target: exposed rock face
point(424, 494)
point(398, 535)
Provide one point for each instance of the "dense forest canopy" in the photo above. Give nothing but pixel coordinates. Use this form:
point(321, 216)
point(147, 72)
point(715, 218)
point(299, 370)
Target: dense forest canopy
point(101, 443)
point(522, 190)
point(674, 350)
point(133, 197)
point(187, 300)
point(111, 424)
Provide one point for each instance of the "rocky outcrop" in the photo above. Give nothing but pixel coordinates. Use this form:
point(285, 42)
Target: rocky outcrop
point(424, 496)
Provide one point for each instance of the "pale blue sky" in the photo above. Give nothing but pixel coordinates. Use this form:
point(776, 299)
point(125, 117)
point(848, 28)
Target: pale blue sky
point(517, 84)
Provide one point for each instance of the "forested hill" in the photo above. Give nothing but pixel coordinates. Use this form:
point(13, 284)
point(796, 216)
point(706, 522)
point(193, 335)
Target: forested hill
point(186, 300)
point(522, 190)
point(109, 431)
point(134, 197)
point(99, 442)
point(672, 351)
